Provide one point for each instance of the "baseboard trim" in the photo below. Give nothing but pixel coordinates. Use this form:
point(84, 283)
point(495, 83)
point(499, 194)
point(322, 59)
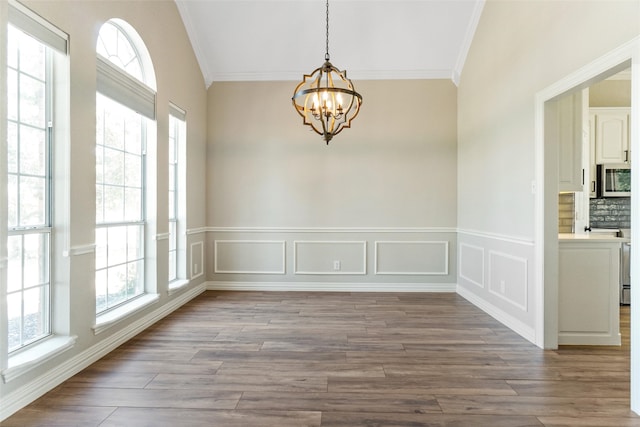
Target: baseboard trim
point(13, 402)
point(330, 286)
point(509, 321)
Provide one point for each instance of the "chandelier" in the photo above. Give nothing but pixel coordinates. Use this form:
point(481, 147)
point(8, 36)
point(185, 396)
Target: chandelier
point(326, 98)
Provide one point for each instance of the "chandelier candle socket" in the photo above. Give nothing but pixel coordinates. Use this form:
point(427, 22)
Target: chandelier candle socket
point(326, 98)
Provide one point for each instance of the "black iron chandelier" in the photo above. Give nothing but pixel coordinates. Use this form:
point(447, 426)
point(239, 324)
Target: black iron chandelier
point(326, 98)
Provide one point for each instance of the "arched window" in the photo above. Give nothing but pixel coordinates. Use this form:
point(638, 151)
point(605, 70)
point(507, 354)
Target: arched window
point(125, 107)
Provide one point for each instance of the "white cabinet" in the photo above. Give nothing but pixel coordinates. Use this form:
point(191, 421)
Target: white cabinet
point(588, 297)
point(611, 135)
point(569, 136)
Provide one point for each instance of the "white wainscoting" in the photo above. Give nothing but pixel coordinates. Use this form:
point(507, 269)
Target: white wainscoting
point(249, 256)
point(197, 259)
point(412, 257)
point(494, 274)
point(333, 257)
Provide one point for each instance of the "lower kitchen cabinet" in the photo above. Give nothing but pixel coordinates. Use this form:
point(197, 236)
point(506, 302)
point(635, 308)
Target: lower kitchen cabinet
point(589, 290)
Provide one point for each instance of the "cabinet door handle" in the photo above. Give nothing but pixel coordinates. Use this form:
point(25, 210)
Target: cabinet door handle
point(593, 186)
point(626, 156)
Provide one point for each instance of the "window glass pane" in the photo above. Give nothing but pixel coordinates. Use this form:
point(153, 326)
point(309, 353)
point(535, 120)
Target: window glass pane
point(113, 125)
point(135, 244)
point(12, 47)
point(12, 147)
point(32, 201)
point(172, 235)
point(12, 95)
point(113, 167)
point(113, 204)
point(32, 151)
point(115, 45)
point(32, 57)
point(36, 313)
point(101, 248)
point(99, 204)
point(36, 256)
point(32, 101)
point(133, 170)
point(12, 201)
point(133, 204)
point(133, 134)
point(135, 278)
point(172, 266)
point(117, 285)
point(14, 313)
point(101, 290)
point(14, 263)
point(100, 164)
point(117, 245)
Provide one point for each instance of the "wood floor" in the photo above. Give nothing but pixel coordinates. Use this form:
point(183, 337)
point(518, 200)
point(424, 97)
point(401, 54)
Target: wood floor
point(340, 359)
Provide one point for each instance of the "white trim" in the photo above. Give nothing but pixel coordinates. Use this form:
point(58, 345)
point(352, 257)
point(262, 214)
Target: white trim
point(216, 270)
point(120, 86)
point(38, 354)
point(12, 402)
point(196, 275)
point(412, 273)
point(501, 237)
point(197, 230)
point(194, 39)
point(111, 318)
point(363, 272)
point(466, 42)
point(36, 26)
point(177, 112)
point(516, 325)
point(331, 229)
point(330, 286)
point(163, 236)
point(80, 250)
point(3, 262)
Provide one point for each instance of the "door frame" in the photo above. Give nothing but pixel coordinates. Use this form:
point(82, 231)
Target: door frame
point(546, 201)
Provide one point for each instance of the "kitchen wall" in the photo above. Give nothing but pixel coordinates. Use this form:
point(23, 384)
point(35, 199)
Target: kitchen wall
point(566, 212)
point(380, 199)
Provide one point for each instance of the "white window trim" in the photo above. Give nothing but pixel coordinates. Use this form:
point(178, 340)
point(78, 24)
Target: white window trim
point(35, 355)
point(113, 317)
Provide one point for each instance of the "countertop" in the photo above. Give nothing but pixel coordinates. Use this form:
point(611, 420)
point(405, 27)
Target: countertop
point(591, 237)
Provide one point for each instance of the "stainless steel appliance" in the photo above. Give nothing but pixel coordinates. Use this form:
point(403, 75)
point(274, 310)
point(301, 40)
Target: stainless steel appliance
point(625, 267)
point(614, 180)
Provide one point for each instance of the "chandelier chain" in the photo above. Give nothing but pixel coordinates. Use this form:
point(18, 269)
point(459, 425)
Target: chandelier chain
point(326, 56)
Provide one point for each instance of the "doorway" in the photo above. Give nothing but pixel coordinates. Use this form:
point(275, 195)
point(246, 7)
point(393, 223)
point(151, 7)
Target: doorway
point(546, 180)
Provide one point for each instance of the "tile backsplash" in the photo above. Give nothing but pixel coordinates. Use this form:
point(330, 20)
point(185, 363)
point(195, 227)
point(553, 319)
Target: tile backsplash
point(610, 212)
point(566, 203)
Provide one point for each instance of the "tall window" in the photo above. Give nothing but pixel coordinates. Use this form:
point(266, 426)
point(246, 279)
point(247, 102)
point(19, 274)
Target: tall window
point(121, 134)
point(29, 175)
point(177, 127)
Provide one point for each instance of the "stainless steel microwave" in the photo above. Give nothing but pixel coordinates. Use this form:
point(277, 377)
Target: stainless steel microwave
point(614, 180)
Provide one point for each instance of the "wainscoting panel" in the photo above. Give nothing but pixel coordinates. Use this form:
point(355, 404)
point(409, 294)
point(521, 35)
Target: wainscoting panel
point(508, 278)
point(499, 282)
point(346, 259)
point(412, 257)
point(197, 259)
point(472, 264)
point(249, 256)
point(330, 257)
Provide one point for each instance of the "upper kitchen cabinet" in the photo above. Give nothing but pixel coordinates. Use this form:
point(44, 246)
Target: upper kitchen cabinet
point(611, 135)
point(569, 135)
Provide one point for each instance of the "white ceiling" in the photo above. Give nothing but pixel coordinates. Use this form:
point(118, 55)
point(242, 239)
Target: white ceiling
point(245, 40)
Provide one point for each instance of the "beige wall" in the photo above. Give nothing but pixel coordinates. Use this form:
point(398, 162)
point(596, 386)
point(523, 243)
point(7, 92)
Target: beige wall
point(396, 166)
point(610, 93)
point(520, 48)
point(180, 81)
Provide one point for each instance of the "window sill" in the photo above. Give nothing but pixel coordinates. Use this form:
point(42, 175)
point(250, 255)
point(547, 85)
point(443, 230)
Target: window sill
point(113, 317)
point(176, 285)
point(36, 355)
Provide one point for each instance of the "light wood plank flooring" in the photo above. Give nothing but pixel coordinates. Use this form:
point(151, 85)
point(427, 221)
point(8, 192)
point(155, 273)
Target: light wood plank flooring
point(340, 359)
